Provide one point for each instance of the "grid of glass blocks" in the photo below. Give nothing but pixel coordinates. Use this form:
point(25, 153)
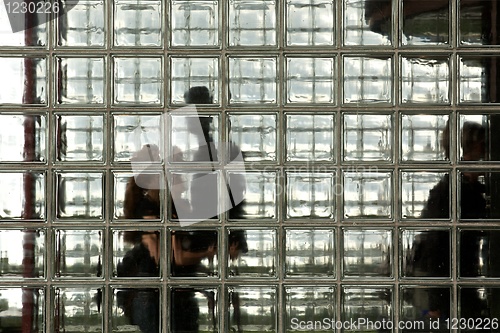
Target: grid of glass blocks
point(250, 166)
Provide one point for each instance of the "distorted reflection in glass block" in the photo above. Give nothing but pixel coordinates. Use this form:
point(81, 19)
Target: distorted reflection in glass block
point(310, 195)
point(83, 25)
point(368, 195)
point(133, 132)
point(367, 137)
point(478, 194)
point(194, 309)
point(475, 132)
point(35, 36)
point(78, 253)
point(479, 302)
point(136, 310)
point(310, 22)
point(252, 23)
point(478, 253)
point(367, 22)
point(367, 80)
point(22, 254)
point(260, 195)
point(310, 80)
point(252, 80)
point(78, 309)
point(16, 304)
point(426, 23)
point(475, 85)
point(252, 309)
point(194, 73)
point(138, 81)
point(309, 303)
point(425, 195)
point(79, 138)
point(80, 80)
point(137, 23)
point(195, 23)
point(79, 195)
point(235, 200)
point(15, 128)
point(425, 80)
point(24, 195)
point(310, 253)
point(194, 253)
point(426, 307)
point(310, 137)
point(136, 253)
point(476, 23)
point(425, 253)
point(374, 304)
point(367, 253)
point(259, 259)
point(27, 80)
point(423, 137)
point(255, 135)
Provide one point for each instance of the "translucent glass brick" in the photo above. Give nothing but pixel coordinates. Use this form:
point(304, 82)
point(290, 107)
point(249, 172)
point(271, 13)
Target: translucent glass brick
point(137, 23)
point(478, 252)
point(310, 253)
point(309, 303)
point(27, 80)
point(474, 132)
point(310, 23)
point(368, 195)
point(83, 25)
point(13, 300)
point(252, 23)
point(478, 193)
point(367, 253)
point(13, 144)
point(17, 203)
point(310, 137)
point(310, 195)
point(252, 80)
point(22, 254)
point(473, 84)
point(80, 80)
point(367, 80)
point(135, 310)
point(195, 23)
point(138, 81)
point(425, 80)
point(374, 303)
point(475, 302)
point(367, 22)
point(367, 137)
point(79, 253)
point(187, 73)
point(194, 309)
point(257, 308)
point(78, 309)
point(427, 307)
point(426, 28)
point(38, 33)
point(310, 80)
point(476, 24)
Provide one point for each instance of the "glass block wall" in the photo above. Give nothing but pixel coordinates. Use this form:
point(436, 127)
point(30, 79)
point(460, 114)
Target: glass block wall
point(370, 188)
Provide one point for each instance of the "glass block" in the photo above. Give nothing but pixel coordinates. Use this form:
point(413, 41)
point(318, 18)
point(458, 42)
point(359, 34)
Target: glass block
point(368, 195)
point(474, 133)
point(260, 258)
point(425, 80)
point(476, 22)
point(194, 309)
point(305, 304)
point(310, 80)
point(478, 195)
point(425, 195)
point(195, 23)
point(426, 24)
point(79, 138)
point(310, 23)
point(478, 253)
point(367, 80)
point(136, 310)
point(367, 22)
point(310, 195)
point(423, 137)
point(236, 195)
point(19, 304)
point(252, 309)
point(138, 81)
point(195, 80)
point(252, 22)
point(35, 36)
point(477, 302)
point(255, 135)
point(24, 195)
point(79, 195)
point(83, 25)
point(310, 137)
point(260, 195)
point(367, 253)
point(475, 78)
point(374, 304)
point(194, 253)
point(425, 253)
point(78, 253)
point(80, 80)
point(426, 308)
point(136, 253)
point(137, 23)
point(310, 253)
point(131, 133)
point(27, 80)
point(78, 309)
point(252, 80)
point(13, 144)
point(22, 254)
